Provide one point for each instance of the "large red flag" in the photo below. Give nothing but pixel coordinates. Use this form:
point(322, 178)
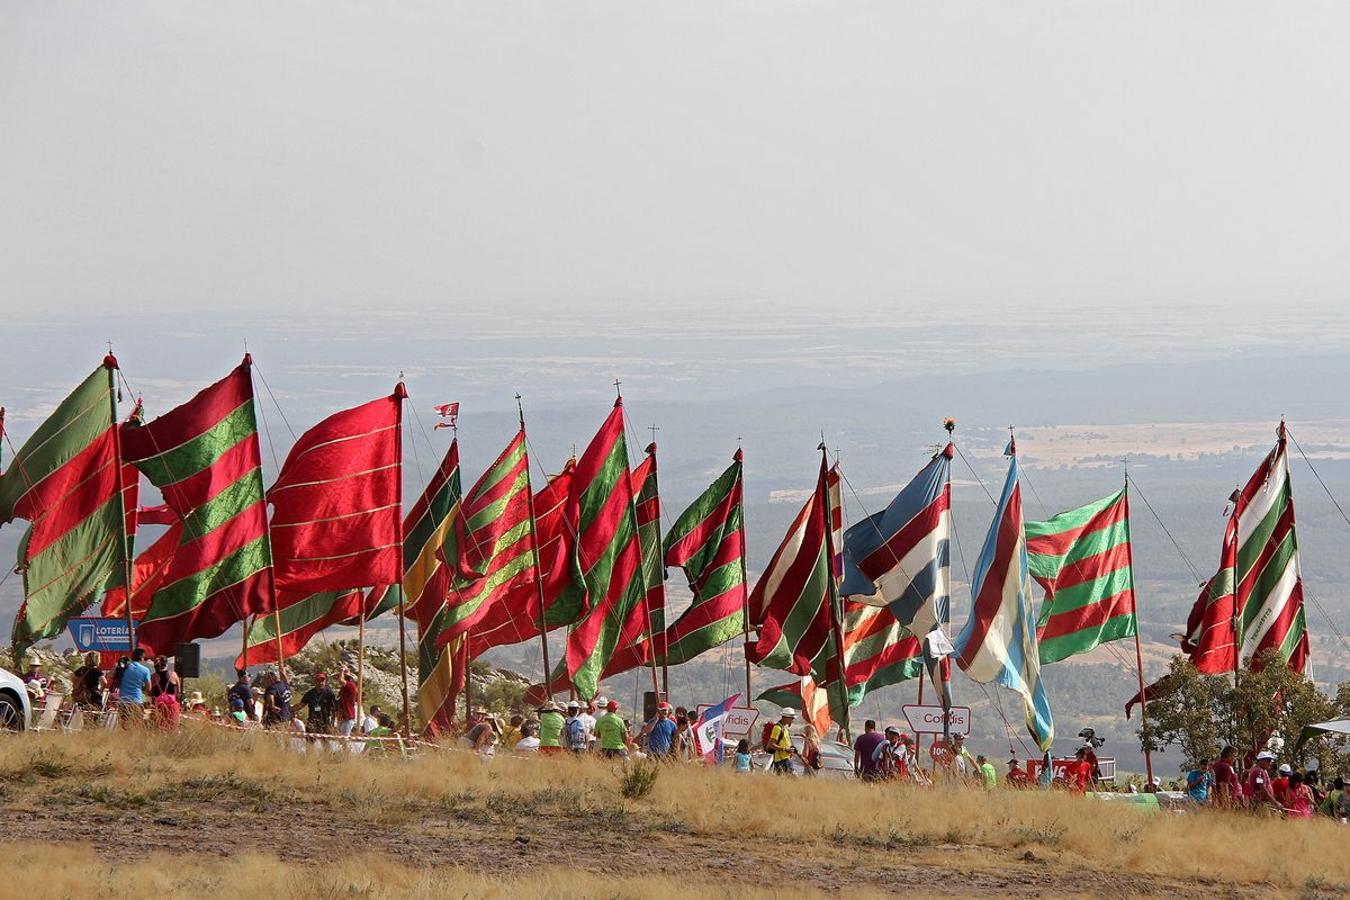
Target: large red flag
point(336, 517)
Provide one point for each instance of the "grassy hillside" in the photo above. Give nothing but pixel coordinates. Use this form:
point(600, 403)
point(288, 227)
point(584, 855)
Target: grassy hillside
point(237, 816)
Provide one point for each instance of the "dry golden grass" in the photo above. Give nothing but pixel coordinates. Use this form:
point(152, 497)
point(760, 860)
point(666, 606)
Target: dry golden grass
point(202, 764)
point(63, 871)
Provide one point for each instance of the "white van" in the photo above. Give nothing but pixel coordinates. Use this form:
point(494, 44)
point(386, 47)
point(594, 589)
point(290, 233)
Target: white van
point(15, 711)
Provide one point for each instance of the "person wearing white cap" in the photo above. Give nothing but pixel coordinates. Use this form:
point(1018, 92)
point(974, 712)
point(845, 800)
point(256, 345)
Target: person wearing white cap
point(1279, 785)
point(1258, 790)
point(588, 715)
point(780, 742)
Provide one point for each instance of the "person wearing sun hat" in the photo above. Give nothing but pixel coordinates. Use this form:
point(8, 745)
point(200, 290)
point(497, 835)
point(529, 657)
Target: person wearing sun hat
point(612, 732)
point(551, 722)
point(780, 742)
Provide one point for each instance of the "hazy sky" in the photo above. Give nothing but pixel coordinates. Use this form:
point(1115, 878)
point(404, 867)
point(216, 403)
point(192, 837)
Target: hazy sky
point(203, 156)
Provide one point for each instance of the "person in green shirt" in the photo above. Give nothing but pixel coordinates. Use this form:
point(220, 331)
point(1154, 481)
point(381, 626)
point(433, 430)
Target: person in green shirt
point(987, 770)
point(550, 729)
point(612, 732)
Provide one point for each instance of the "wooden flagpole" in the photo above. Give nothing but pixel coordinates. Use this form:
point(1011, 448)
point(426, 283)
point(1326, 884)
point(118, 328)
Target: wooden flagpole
point(745, 577)
point(646, 599)
point(361, 666)
point(1138, 650)
point(538, 569)
point(110, 363)
point(401, 394)
point(835, 602)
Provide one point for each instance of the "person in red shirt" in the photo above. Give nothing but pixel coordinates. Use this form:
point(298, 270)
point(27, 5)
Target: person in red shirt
point(347, 707)
point(1258, 790)
point(1017, 776)
point(1226, 787)
point(1078, 773)
point(1279, 785)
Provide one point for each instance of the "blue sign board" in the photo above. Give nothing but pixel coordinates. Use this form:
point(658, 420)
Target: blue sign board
point(104, 635)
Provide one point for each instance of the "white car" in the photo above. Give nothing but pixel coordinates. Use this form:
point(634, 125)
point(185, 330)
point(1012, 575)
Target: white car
point(15, 711)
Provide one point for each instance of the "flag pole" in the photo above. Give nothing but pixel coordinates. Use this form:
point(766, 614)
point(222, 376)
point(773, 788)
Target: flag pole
point(834, 599)
point(361, 664)
point(110, 363)
point(534, 552)
point(646, 591)
point(401, 394)
point(1138, 649)
point(745, 577)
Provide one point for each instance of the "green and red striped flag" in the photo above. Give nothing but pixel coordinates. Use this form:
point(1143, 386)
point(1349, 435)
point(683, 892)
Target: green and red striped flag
point(1267, 584)
point(1082, 559)
point(516, 616)
point(608, 555)
point(648, 617)
point(496, 547)
point(878, 651)
point(708, 542)
point(66, 482)
point(432, 524)
point(205, 459)
point(300, 621)
point(792, 605)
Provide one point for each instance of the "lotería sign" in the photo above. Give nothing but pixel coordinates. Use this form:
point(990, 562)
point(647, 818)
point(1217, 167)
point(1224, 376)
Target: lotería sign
point(107, 635)
point(928, 719)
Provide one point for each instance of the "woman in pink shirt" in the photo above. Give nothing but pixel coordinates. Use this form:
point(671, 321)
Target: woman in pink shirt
point(1299, 798)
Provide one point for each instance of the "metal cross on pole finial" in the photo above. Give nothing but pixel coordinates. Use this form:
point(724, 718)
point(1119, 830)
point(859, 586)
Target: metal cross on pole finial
point(653, 428)
point(617, 392)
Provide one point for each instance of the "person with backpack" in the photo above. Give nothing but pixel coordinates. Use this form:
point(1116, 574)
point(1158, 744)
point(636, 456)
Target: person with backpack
point(576, 735)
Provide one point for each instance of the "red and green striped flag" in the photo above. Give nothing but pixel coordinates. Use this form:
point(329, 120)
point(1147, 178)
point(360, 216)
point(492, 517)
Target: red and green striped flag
point(708, 542)
point(792, 605)
point(608, 554)
point(1267, 584)
point(496, 547)
point(66, 482)
point(300, 621)
point(1082, 559)
point(205, 459)
point(878, 651)
point(648, 617)
point(515, 617)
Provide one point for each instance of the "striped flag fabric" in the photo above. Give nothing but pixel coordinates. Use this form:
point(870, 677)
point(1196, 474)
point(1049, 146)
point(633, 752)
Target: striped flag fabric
point(646, 622)
point(998, 643)
point(336, 519)
point(708, 730)
point(1269, 585)
point(899, 557)
point(496, 545)
point(1082, 559)
point(66, 482)
point(299, 621)
point(515, 618)
point(204, 457)
point(819, 706)
point(1259, 587)
point(791, 606)
point(1211, 629)
point(608, 555)
point(878, 650)
point(432, 523)
point(708, 542)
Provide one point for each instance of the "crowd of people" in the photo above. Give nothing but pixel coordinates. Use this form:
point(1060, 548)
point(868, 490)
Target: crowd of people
point(1266, 787)
point(144, 691)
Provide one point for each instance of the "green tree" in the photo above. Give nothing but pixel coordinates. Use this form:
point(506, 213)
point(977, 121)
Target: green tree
point(1202, 713)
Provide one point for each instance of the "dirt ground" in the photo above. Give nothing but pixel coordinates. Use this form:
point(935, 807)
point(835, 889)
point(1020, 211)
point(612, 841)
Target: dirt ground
point(513, 842)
